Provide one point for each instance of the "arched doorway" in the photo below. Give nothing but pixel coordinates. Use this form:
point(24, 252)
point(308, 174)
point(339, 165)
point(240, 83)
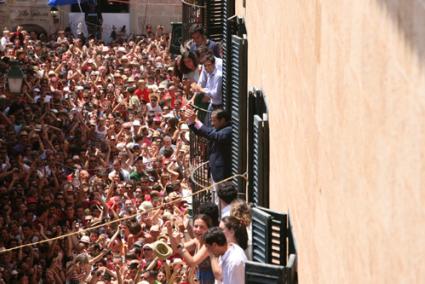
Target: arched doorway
point(33, 28)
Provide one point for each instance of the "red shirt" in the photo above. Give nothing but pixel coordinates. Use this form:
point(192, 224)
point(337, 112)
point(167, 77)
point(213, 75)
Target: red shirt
point(143, 94)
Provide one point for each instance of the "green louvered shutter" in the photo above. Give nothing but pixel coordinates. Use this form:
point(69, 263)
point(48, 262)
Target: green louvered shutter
point(228, 28)
point(258, 152)
point(215, 19)
point(239, 94)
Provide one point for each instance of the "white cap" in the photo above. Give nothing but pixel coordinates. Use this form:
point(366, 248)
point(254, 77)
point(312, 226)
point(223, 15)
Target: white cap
point(145, 206)
point(85, 239)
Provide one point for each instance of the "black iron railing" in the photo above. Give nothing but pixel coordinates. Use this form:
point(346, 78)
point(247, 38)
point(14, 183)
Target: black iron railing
point(199, 170)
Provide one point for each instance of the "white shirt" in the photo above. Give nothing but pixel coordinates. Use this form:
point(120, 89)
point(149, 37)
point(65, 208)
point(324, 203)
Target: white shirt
point(218, 65)
point(156, 109)
point(3, 42)
point(233, 265)
point(125, 174)
point(47, 98)
point(212, 83)
point(225, 211)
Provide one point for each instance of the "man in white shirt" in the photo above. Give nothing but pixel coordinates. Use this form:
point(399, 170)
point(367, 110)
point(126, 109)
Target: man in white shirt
point(211, 84)
point(232, 256)
point(123, 174)
point(4, 40)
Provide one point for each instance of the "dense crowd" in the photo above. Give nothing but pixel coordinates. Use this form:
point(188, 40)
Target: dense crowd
point(101, 132)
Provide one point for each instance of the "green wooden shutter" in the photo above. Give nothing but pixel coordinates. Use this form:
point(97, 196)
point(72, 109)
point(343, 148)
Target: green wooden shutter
point(215, 19)
point(228, 27)
point(273, 246)
point(258, 151)
point(256, 272)
point(261, 234)
point(239, 107)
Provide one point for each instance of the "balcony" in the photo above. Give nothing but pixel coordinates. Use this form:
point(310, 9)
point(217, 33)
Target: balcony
point(274, 250)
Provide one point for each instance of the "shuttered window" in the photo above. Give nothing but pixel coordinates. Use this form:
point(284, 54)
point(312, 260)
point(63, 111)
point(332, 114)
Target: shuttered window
point(215, 19)
point(261, 224)
point(239, 106)
point(258, 152)
point(228, 29)
point(273, 247)
point(269, 234)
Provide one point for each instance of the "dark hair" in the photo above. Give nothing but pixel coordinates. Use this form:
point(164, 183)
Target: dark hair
point(196, 28)
point(168, 152)
point(169, 188)
point(204, 218)
point(210, 209)
point(220, 113)
point(135, 228)
point(227, 193)
point(188, 54)
point(215, 235)
point(241, 234)
point(202, 52)
point(210, 58)
point(172, 122)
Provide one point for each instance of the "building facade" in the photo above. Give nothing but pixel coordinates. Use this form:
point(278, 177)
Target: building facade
point(32, 14)
point(35, 14)
point(158, 12)
point(345, 85)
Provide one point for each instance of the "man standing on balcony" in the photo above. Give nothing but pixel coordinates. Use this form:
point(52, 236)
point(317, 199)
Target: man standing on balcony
point(220, 140)
point(199, 39)
point(211, 84)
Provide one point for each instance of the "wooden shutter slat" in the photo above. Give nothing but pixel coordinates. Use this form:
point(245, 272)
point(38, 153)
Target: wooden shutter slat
point(239, 107)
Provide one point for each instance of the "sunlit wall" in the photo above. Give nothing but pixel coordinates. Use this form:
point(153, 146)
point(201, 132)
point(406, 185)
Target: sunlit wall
point(345, 82)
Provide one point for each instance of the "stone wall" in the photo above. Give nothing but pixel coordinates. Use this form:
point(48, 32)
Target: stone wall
point(154, 12)
point(35, 12)
point(345, 83)
point(142, 12)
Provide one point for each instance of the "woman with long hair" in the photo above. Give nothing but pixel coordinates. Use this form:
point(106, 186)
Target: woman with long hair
point(189, 67)
point(194, 251)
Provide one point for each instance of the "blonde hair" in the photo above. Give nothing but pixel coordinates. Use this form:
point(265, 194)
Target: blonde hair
point(241, 211)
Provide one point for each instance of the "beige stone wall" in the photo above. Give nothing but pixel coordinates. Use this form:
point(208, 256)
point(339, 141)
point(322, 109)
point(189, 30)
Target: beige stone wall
point(142, 12)
point(154, 12)
point(345, 82)
point(20, 12)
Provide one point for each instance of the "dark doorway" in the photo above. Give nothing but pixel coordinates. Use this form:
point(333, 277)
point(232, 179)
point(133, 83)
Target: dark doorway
point(104, 6)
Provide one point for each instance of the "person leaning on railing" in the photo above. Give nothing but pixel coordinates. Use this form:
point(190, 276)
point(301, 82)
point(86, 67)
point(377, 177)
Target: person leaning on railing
point(220, 138)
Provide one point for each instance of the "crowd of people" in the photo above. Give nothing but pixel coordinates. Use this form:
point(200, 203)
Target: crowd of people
point(99, 136)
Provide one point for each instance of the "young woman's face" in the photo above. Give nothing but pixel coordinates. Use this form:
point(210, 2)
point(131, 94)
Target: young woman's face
point(199, 228)
point(230, 234)
point(189, 63)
